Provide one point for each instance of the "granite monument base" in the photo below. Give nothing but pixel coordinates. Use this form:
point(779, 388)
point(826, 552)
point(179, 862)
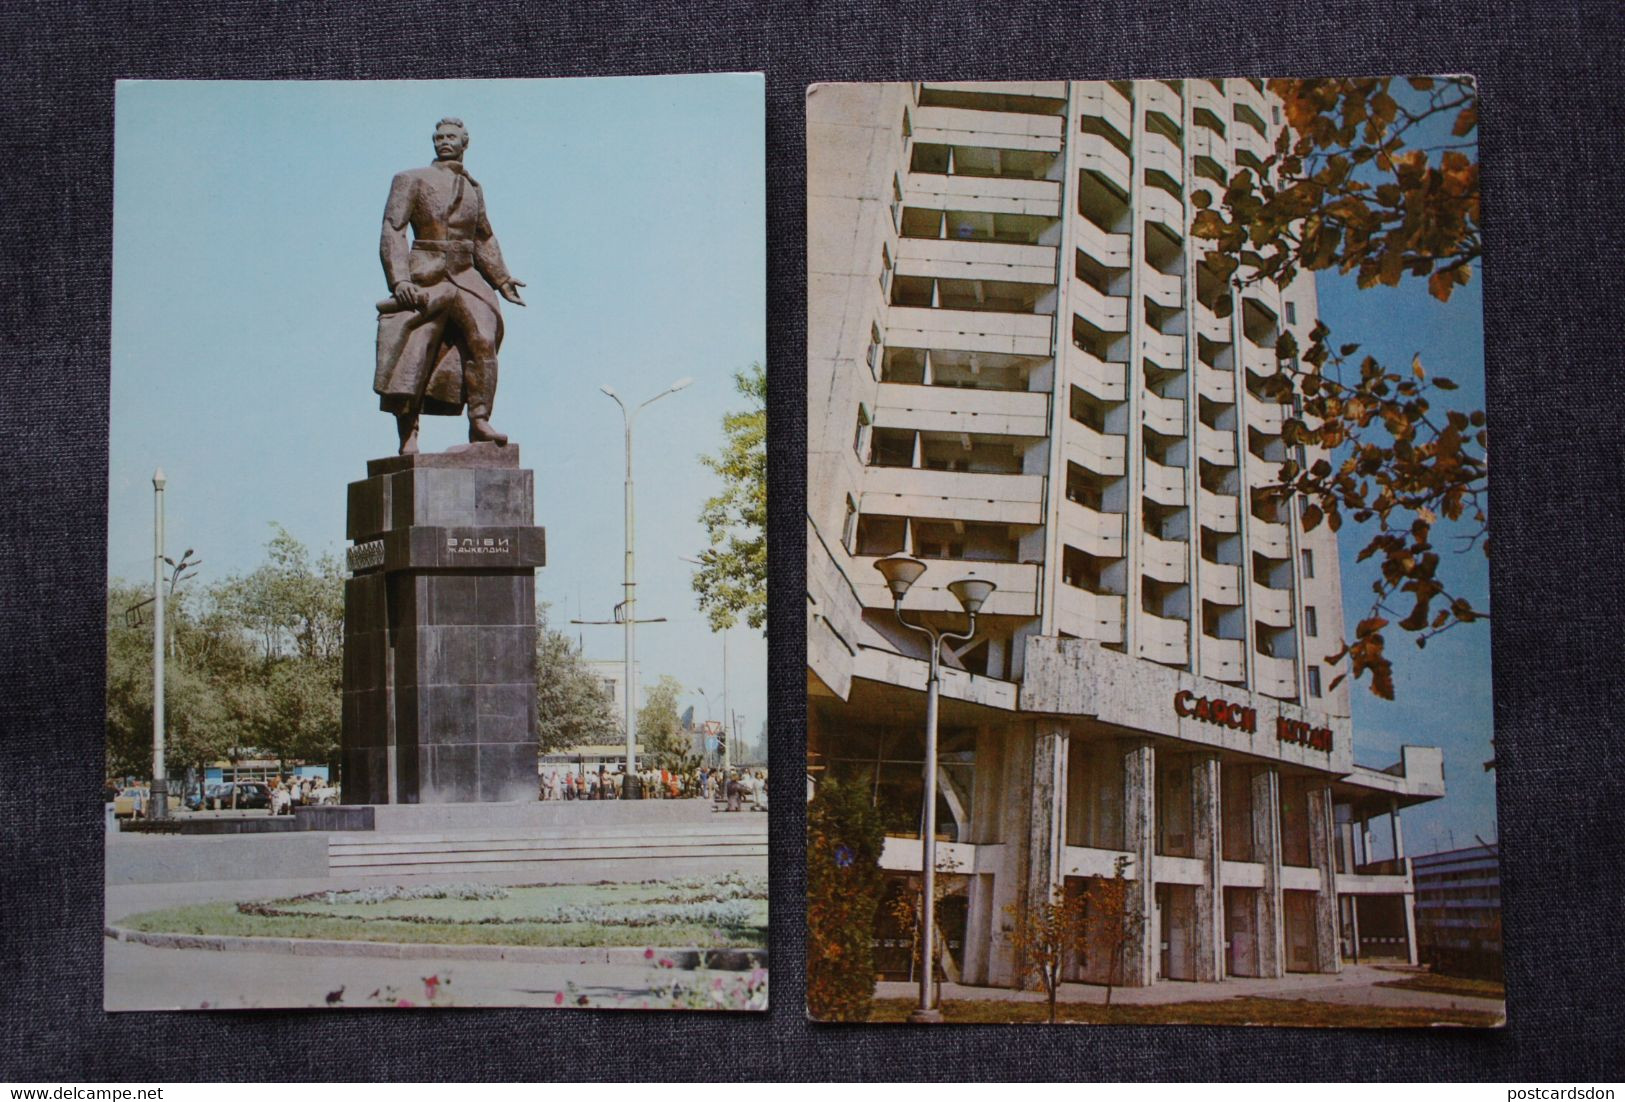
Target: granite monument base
point(440, 630)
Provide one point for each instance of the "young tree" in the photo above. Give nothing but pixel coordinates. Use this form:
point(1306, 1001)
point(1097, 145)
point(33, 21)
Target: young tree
point(1043, 936)
point(659, 728)
point(1361, 181)
point(573, 707)
point(1110, 919)
point(844, 882)
point(732, 579)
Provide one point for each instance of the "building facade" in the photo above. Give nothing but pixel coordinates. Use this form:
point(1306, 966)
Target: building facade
point(1458, 911)
point(1021, 371)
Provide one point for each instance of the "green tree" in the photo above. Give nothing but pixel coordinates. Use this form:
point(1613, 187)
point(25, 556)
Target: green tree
point(844, 885)
point(732, 580)
point(573, 707)
point(1353, 184)
point(660, 730)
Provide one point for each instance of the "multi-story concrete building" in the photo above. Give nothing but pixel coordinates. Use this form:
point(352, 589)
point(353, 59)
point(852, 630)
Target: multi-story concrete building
point(1020, 371)
point(1458, 910)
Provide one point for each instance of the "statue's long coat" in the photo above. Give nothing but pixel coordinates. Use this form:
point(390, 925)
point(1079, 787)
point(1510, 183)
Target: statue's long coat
point(455, 254)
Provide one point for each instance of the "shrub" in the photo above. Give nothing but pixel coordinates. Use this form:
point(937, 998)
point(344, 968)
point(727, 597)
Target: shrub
point(844, 882)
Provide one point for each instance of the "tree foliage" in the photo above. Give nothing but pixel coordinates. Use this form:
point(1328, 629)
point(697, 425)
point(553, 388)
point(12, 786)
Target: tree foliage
point(844, 884)
point(253, 664)
point(573, 707)
point(732, 580)
point(660, 729)
point(1350, 188)
point(1043, 936)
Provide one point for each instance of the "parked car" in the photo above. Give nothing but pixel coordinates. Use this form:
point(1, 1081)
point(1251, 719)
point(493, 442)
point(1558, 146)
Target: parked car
point(129, 799)
point(252, 795)
point(215, 795)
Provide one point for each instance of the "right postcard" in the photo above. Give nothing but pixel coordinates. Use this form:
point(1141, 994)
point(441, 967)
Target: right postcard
point(1147, 555)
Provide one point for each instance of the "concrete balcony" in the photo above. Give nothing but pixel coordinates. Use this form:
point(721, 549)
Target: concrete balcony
point(1166, 350)
point(1213, 327)
point(1159, 154)
point(1258, 361)
point(1165, 415)
point(987, 129)
point(1272, 607)
point(970, 331)
point(939, 258)
point(1110, 249)
point(954, 495)
point(1166, 641)
point(1033, 89)
point(1016, 595)
point(1221, 584)
point(1165, 560)
point(1158, 97)
point(1163, 289)
point(1215, 385)
point(1105, 379)
point(1088, 615)
point(1108, 313)
point(1099, 100)
point(1097, 534)
point(1223, 659)
point(1266, 416)
point(1101, 452)
point(1277, 677)
point(1097, 154)
point(1040, 198)
point(1218, 512)
point(1265, 294)
point(1216, 445)
point(1164, 210)
point(1164, 485)
point(1206, 143)
point(1269, 538)
point(1244, 139)
point(1243, 92)
point(1202, 94)
point(961, 409)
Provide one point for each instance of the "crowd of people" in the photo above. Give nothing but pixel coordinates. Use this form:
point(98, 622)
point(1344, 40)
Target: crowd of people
point(736, 788)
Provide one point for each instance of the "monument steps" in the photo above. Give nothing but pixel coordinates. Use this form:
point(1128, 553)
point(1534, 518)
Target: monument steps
point(474, 852)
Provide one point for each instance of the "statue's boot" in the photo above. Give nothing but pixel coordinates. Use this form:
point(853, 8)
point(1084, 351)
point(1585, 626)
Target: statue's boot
point(406, 424)
point(481, 379)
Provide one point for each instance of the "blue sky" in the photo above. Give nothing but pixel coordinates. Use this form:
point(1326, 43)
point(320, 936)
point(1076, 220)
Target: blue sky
point(245, 272)
point(1443, 695)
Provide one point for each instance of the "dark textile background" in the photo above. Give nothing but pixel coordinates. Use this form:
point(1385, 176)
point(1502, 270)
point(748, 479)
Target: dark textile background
point(1552, 108)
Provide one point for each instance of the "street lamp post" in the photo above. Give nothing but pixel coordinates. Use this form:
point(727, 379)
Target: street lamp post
point(632, 789)
point(160, 778)
point(901, 572)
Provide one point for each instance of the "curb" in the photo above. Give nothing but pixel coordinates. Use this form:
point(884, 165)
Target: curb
point(729, 960)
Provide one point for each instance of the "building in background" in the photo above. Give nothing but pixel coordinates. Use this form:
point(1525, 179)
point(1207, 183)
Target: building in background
point(1020, 371)
point(1458, 911)
point(589, 757)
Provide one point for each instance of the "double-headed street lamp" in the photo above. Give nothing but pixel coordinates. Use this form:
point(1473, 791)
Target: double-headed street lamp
point(631, 789)
point(901, 572)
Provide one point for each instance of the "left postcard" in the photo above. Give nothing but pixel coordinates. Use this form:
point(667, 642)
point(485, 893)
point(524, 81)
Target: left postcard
point(397, 716)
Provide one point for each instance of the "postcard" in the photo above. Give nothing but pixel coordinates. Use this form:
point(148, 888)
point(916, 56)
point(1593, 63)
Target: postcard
point(436, 582)
point(1148, 664)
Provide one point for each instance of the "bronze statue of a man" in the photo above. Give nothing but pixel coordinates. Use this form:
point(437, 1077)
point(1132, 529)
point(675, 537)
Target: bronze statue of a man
point(439, 332)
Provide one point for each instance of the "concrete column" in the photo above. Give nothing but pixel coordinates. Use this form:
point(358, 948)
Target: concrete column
point(1399, 833)
point(1410, 924)
point(1267, 851)
point(1206, 828)
point(1321, 842)
point(1140, 839)
point(1365, 841)
point(1046, 810)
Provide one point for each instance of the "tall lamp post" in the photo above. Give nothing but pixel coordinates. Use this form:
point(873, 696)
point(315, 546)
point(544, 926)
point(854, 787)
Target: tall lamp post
point(160, 778)
point(901, 572)
point(632, 789)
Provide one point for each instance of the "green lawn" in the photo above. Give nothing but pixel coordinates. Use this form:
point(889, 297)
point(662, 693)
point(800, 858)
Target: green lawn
point(1450, 985)
point(726, 914)
point(1237, 1011)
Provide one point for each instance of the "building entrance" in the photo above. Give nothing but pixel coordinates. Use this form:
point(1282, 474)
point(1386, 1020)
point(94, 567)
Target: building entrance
point(1176, 921)
point(1241, 931)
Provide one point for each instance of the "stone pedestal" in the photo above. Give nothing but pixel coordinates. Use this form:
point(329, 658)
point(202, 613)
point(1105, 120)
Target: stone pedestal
point(440, 630)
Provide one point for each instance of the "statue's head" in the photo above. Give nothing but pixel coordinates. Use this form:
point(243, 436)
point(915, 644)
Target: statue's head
point(450, 139)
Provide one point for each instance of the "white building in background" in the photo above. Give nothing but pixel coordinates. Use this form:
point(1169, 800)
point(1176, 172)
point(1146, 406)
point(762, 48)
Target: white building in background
point(1017, 373)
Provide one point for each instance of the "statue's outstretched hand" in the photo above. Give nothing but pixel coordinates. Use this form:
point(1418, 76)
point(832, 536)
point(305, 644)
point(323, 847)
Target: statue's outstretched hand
point(510, 291)
point(409, 295)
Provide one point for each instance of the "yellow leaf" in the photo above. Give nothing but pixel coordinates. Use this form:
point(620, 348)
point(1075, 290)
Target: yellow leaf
point(1416, 367)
